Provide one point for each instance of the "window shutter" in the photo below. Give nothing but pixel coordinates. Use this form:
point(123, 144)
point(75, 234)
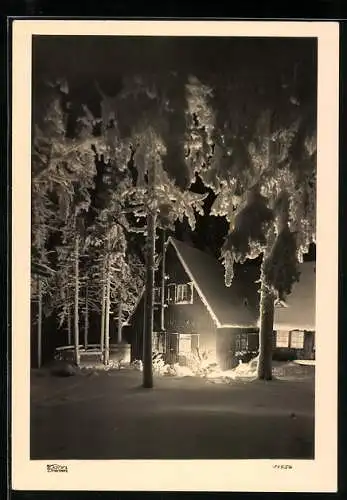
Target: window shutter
point(171, 294)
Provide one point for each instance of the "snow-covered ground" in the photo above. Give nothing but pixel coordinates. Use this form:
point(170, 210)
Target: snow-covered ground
point(105, 415)
point(291, 370)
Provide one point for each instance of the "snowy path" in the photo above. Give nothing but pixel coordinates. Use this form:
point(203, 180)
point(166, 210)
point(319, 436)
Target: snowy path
point(109, 416)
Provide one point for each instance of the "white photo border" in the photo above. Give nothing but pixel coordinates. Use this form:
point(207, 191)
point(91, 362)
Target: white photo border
point(318, 475)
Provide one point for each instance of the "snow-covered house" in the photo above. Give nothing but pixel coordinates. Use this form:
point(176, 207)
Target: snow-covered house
point(195, 312)
point(294, 321)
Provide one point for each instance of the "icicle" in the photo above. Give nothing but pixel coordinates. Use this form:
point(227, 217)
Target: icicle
point(229, 268)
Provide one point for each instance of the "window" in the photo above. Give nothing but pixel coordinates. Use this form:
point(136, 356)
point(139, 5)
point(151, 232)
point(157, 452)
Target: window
point(171, 294)
point(184, 294)
point(253, 341)
point(297, 339)
point(157, 295)
point(241, 342)
point(180, 294)
point(282, 338)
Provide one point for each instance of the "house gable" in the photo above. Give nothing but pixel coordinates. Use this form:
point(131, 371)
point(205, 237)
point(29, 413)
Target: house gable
point(190, 278)
point(183, 316)
point(236, 306)
point(186, 318)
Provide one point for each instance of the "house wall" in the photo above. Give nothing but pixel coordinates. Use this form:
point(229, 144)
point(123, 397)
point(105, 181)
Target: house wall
point(187, 318)
point(228, 345)
point(227, 348)
point(192, 318)
point(286, 353)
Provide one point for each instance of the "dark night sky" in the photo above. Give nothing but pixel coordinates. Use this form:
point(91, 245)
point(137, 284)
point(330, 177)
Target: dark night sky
point(81, 59)
point(84, 56)
point(84, 59)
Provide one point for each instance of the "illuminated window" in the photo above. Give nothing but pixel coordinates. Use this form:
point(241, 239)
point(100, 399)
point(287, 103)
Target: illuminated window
point(282, 338)
point(184, 294)
point(297, 339)
point(185, 343)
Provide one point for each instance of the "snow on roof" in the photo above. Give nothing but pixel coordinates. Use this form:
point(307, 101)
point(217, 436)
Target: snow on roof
point(300, 310)
point(238, 305)
point(234, 306)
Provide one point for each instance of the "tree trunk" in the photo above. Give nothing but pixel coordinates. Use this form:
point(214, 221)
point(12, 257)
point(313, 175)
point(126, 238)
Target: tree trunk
point(76, 316)
point(267, 307)
point(267, 312)
point(148, 326)
point(162, 288)
point(86, 320)
point(103, 302)
point(69, 333)
point(39, 325)
point(107, 318)
point(119, 329)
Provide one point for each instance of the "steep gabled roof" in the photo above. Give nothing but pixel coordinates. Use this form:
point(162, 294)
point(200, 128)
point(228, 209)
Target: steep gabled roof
point(238, 305)
point(299, 311)
point(234, 306)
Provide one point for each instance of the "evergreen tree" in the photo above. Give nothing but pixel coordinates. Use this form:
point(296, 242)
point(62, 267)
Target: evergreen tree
point(63, 167)
point(145, 121)
point(262, 168)
point(44, 217)
point(128, 290)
